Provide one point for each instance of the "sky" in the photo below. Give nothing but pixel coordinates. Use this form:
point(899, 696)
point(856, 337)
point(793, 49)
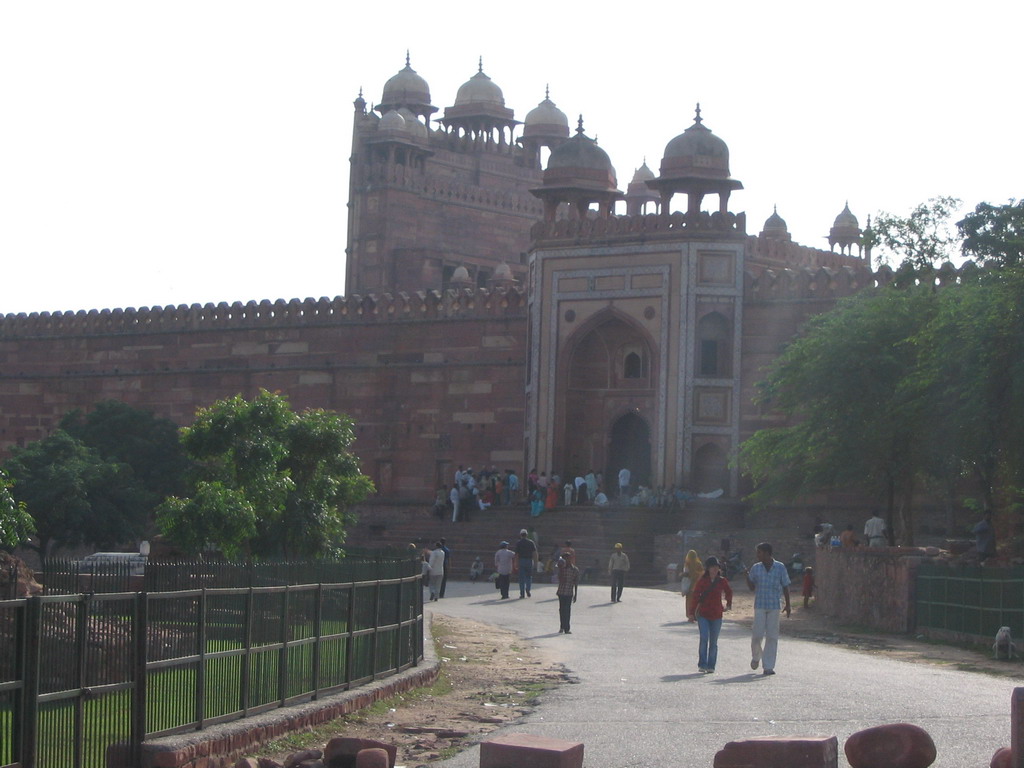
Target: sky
point(160, 153)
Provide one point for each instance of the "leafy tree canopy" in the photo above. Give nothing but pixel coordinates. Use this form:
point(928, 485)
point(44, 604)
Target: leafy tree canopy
point(15, 523)
point(271, 482)
point(922, 239)
point(994, 233)
point(74, 495)
point(149, 445)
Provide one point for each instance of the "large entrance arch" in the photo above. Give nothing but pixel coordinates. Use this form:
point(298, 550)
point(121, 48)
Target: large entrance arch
point(629, 447)
point(608, 370)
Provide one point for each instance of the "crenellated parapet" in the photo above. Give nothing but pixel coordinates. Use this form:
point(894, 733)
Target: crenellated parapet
point(648, 226)
point(827, 283)
point(772, 251)
point(468, 303)
point(445, 190)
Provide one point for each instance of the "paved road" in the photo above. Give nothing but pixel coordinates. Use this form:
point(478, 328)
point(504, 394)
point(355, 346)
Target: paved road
point(640, 700)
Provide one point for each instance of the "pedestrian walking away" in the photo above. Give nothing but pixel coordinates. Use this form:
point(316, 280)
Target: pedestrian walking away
point(709, 591)
point(568, 586)
point(618, 567)
point(768, 579)
point(447, 567)
point(435, 565)
point(526, 562)
point(504, 560)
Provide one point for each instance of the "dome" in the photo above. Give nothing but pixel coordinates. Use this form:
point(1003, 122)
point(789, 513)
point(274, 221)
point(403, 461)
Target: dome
point(413, 124)
point(846, 220)
point(391, 121)
point(643, 174)
point(479, 89)
point(638, 187)
point(406, 89)
point(546, 121)
point(503, 272)
point(696, 152)
point(775, 223)
point(580, 160)
point(460, 275)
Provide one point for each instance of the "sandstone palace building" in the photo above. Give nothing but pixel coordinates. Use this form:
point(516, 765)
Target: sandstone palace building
point(509, 302)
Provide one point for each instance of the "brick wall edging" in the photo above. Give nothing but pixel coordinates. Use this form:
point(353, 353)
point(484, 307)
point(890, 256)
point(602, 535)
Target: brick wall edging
point(221, 745)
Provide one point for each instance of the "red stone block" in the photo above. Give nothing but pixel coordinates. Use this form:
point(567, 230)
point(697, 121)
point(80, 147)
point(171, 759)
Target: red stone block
point(520, 749)
point(247, 762)
point(343, 751)
point(897, 745)
point(772, 752)
point(373, 758)
point(1003, 758)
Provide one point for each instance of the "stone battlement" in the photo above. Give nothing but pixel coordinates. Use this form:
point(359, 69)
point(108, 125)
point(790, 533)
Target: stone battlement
point(628, 228)
point(452, 304)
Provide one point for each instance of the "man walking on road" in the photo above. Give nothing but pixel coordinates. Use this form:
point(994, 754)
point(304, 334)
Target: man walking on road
point(526, 560)
point(618, 567)
point(769, 581)
point(504, 559)
point(568, 586)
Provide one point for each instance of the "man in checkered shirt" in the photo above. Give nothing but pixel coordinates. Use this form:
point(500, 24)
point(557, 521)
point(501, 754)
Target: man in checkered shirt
point(769, 581)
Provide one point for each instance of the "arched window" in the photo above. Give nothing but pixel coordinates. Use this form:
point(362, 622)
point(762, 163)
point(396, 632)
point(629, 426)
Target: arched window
point(632, 366)
point(634, 361)
point(714, 347)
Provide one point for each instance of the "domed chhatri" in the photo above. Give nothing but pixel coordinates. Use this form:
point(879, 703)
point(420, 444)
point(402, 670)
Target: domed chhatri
point(639, 193)
point(546, 121)
point(479, 89)
point(581, 160)
point(406, 89)
point(391, 121)
point(479, 112)
point(775, 227)
point(415, 128)
point(846, 232)
point(579, 173)
point(696, 163)
point(696, 152)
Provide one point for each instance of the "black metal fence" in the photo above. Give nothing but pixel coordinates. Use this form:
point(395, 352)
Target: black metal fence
point(84, 674)
point(970, 601)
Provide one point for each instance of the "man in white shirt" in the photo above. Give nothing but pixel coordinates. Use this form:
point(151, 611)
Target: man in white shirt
point(624, 476)
point(874, 530)
point(504, 559)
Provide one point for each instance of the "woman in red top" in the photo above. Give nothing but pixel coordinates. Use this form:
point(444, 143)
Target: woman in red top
point(708, 593)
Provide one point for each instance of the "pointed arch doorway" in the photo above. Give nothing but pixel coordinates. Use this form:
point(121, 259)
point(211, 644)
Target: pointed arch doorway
point(630, 447)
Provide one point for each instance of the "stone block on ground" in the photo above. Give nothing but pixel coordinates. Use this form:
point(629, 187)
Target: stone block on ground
point(341, 751)
point(373, 758)
point(1003, 758)
point(773, 752)
point(896, 745)
point(522, 749)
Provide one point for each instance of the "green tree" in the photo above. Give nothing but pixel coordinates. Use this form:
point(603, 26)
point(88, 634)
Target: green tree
point(994, 233)
point(922, 239)
point(852, 406)
point(150, 446)
point(74, 495)
point(15, 523)
point(271, 482)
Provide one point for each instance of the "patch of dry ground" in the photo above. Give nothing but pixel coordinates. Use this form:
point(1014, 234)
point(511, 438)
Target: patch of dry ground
point(490, 676)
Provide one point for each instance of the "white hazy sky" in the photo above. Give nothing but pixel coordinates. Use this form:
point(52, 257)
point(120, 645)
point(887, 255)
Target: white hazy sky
point(156, 153)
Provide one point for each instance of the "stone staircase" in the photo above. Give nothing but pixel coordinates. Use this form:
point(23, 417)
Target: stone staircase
point(592, 530)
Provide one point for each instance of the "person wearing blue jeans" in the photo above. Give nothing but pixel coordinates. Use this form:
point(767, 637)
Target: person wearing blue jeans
point(708, 592)
point(526, 559)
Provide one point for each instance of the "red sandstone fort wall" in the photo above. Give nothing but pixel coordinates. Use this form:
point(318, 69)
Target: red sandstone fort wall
point(430, 379)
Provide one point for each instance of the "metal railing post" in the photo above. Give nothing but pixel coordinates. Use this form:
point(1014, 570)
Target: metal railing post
point(138, 724)
point(30, 673)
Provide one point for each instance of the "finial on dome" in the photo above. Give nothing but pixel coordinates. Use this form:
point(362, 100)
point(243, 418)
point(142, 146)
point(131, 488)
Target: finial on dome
point(360, 91)
point(697, 118)
point(547, 91)
point(480, 65)
point(407, 57)
point(775, 208)
point(579, 126)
